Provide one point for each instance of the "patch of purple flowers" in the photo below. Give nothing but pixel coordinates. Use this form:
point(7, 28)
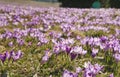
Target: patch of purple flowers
point(11, 55)
point(92, 70)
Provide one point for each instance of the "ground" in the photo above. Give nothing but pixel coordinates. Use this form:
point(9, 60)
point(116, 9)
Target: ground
point(30, 3)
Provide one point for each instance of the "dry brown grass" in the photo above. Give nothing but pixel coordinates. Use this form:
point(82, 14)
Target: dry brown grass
point(29, 3)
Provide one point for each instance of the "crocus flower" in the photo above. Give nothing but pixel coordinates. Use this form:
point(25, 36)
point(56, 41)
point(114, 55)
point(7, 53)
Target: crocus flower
point(78, 70)
point(46, 57)
point(94, 52)
point(56, 49)
point(111, 75)
point(10, 44)
point(20, 41)
point(68, 41)
point(43, 40)
point(73, 56)
point(2, 57)
point(17, 55)
point(7, 54)
point(68, 49)
point(78, 50)
point(103, 39)
point(55, 34)
point(117, 56)
point(67, 73)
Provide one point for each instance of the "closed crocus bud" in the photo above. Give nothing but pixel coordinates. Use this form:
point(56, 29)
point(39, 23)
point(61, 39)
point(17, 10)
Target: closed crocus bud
point(57, 49)
point(68, 49)
point(94, 52)
point(73, 56)
point(2, 57)
point(7, 54)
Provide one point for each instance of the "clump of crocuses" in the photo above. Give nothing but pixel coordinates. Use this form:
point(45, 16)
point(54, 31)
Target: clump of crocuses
point(77, 50)
point(89, 70)
point(11, 55)
point(92, 70)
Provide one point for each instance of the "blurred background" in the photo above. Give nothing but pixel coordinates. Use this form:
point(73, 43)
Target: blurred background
point(67, 3)
point(33, 3)
point(91, 3)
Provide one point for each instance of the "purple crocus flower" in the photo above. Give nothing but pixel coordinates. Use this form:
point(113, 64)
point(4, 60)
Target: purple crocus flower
point(103, 39)
point(2, 57)
point(56, 49)
point(12, 53)
point(73, 56)
point(43, 40)
point(20, 41)
point(111, 75)
point(117, 56)
point(67, 73)
point(78, 70)
point(10, 44)
point(7, 54)
point(46, 57)
point(17, 55)
point(68, 49)
point(78, 50)
point(55, 34)
point(94, 52)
